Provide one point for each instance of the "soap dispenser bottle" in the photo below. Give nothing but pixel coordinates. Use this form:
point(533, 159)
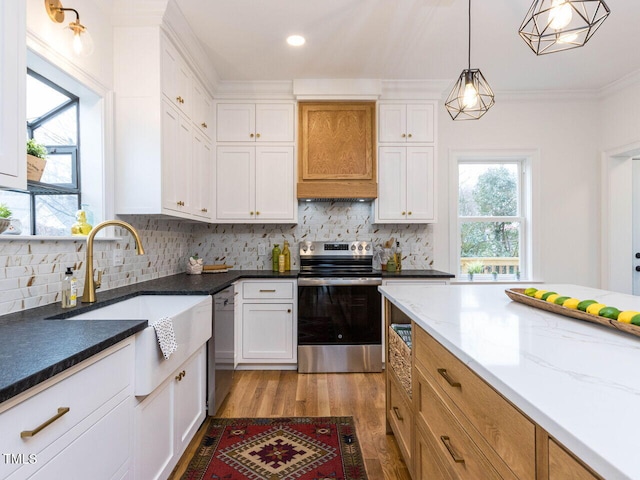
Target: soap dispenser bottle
point(69, 289)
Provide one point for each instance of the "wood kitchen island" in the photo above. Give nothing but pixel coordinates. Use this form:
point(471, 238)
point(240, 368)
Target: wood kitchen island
point(504, 390)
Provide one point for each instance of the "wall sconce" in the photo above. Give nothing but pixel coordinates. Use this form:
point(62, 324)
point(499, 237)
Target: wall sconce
point(81, 42)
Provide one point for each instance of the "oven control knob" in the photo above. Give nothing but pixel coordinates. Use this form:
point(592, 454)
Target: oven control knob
point(340, 336)
point(353, 247)
point(368, 247)
point(304, 249)
point(359, 248)
point(312, 248)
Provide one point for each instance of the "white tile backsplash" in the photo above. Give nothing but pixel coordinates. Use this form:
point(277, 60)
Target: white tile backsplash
point(31, 270)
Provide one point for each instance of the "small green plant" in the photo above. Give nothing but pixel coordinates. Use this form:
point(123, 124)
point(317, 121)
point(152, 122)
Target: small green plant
point(475, 267)
point(4, 211)
point(36, 149)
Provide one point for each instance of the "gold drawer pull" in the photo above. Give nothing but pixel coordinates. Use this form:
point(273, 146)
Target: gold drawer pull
point(447, 443)
point(397, 413)
point(404, 135)
point(204, 125)
point(443, 372)
point(32, 433)
point(288, 310)
point(257, 135)
point(409, 135)
point(267, 291)
point(251, 135)
point(181, 375)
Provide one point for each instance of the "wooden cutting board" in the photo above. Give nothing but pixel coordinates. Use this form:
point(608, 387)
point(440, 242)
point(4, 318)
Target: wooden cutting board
point(216, 267)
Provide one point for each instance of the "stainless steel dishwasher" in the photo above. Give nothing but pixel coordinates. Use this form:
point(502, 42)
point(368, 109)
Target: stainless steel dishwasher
point(221, 351)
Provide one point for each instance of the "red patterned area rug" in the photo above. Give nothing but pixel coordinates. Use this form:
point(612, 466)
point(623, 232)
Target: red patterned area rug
point(304, 448)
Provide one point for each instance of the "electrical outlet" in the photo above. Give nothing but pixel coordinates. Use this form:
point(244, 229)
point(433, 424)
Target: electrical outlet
point(118, 257)
point(262, 249)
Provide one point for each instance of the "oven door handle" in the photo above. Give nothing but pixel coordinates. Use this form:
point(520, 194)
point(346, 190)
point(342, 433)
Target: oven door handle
point(338, 282)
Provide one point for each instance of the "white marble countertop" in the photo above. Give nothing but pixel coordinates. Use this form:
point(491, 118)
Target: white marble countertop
point(579, 381)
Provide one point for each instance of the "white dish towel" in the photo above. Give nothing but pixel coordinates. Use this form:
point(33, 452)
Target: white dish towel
point(166, 336)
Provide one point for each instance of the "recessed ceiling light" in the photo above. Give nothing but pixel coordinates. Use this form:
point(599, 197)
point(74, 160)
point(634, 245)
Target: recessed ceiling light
point(295, 40)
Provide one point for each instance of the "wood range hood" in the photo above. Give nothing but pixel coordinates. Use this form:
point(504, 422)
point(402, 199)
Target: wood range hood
point(337, 150)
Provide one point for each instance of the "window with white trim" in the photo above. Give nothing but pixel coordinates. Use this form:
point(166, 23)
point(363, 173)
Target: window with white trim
point(492, 218)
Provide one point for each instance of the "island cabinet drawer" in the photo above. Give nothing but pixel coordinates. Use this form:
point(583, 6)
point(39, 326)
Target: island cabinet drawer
point(267, 290)
point(400, 417)
point(563, 466)
point(492, 419)
point(454, 449)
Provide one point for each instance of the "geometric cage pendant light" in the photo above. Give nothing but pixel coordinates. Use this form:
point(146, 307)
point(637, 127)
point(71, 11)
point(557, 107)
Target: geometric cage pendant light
point(471, 96)
point(555, 25)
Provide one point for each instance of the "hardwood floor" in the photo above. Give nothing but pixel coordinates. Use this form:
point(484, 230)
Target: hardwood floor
point(290, 394)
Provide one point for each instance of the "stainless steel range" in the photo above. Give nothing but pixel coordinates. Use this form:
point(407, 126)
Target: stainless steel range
point(339, 308)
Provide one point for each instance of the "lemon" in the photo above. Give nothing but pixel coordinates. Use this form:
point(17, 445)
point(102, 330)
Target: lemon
point(627, 315)
point(594, 308)
point(539, 293)
point(552, 298)
point(609, 312)
point(584, 304)
point(546, 295)
point(571, 303)
point(559, 300)
point(530, 291)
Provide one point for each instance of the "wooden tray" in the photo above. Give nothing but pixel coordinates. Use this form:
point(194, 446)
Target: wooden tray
point(517, 295)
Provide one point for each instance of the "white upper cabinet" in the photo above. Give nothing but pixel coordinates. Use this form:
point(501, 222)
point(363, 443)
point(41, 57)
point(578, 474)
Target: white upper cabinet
point(249, 122)
point(255, 184)
point(406, 123)
point(13, 51)
point(163, 151)
point(406, 186)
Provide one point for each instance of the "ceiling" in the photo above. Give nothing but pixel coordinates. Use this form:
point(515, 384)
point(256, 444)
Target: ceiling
point(404, 39)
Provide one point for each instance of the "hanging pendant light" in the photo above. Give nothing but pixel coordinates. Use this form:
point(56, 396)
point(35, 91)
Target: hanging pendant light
point(556, 25)
point(471, 96)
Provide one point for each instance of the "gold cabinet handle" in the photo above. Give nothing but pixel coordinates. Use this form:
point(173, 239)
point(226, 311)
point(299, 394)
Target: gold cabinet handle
point(181, 375)
point(251, 213)
point(409, 135)
point(180, 203)
point(257, 135)
point(179, 99)
point(267, 291)
point(288, 310)
point(447, 443)
point(204, 125)
point(251, 135)
point(403, 213)
point(184, 373)
point(204, 210)
point(404, 135)
point(409, 213)
point(397, 413)
point(32, 433)
point(444, 374)
point(257, 212)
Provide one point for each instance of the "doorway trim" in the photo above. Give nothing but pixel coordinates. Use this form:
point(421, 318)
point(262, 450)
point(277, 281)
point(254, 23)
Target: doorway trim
point(617, 212)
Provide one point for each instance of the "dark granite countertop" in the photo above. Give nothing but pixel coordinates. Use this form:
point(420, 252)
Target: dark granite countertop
point(34, 347)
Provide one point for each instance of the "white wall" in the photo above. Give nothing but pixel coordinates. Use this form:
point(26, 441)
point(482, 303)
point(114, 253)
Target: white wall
point(566, 133)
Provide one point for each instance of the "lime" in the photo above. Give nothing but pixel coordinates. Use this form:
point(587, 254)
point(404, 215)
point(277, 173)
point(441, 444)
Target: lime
point(627, 315)
point(530, 291)
point(635, 320)
point(584, 304)
point(559, 300)
point(539, 293)
point(551, 298)
point(546, 295)
point(609, 312)
point(571, 303)
point(594, 308)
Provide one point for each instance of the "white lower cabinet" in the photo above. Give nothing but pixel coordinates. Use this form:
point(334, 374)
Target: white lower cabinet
point(266, 324)
point(167, 419)
point(77, 425)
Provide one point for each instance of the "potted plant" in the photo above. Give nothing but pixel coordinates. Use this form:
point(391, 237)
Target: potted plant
point(475, 267)
point(5, 217)
point(36, 160)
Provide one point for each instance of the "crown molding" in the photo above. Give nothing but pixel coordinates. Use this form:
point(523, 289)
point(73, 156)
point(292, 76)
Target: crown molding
point(413, 89)
point(630, 80)
point(276, 89)
point(337, 88)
